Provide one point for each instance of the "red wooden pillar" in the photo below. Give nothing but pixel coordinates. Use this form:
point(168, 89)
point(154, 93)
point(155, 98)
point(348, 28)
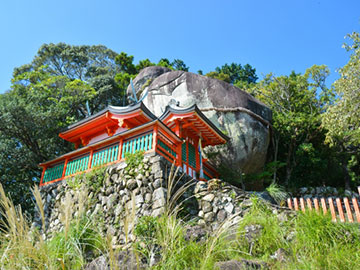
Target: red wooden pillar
point(120, 149)
point(155, 137)
point(179, 146)
point(187, 156)
point(42, 175)
point(177, 127)
point(65, 165)
point(90, 158)
point(197, 156)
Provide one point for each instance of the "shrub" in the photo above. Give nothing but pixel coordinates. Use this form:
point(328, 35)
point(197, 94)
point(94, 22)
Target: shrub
point(277, 192)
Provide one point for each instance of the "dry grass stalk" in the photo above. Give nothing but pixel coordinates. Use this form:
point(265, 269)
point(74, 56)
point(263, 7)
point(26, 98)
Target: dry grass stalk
point(224, 232)
point(36, 192)
point(82, 200)
point(66, 215)
point(172, 197)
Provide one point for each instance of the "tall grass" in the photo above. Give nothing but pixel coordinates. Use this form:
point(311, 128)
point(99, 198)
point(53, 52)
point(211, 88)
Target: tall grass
point(277, 192)
point(328, 245)
point(23, 248)
point(166, 234)
point(19, 247)
point(317, 242)
point(72, 248)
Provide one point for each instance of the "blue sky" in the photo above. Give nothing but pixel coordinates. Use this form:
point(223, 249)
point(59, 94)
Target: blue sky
point(272, 35)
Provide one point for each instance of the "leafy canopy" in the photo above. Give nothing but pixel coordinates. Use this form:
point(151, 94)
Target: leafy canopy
point(342, 118)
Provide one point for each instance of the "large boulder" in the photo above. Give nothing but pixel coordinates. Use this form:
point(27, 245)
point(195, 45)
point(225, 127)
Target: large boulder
point(239, 115)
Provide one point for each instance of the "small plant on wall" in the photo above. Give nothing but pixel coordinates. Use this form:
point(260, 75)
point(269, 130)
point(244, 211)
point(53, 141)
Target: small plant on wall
point(93, 179)
point(134, 161)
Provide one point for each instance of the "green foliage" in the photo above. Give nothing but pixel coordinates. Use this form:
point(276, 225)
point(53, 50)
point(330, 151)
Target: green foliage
point(46, 96)
point(265, 176)
point(319, 233)
point(220, 76)
point(145, 231)
point(176, 253)
point(313, 234)
point(277, 192)
point(238, 73)
point(134, 160)
point(271, 235)
point(75, 183)
point(177, 64)
point(95, 178)
point(164, 62)
point(303, 236)
point(23, 248)
point(92, 180)
point(81, 240)
point(342, 116)
point(143, 64)
point(297, 102)
point(125, 63)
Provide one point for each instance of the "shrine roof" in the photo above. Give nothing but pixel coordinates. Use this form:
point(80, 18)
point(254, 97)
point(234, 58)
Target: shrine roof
point(115, 110)
point(108, 119)
point(193, 118)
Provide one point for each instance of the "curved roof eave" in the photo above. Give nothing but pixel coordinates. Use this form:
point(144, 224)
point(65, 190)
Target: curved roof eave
point(193, 108)
point(115, 110)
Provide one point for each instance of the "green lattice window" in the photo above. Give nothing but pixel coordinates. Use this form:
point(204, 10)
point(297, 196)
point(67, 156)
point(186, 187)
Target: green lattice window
point(53, 173)
point(183, 152)
point(77, 165)
point(167, 148)
point(192, 156)
point(106, 155)
point(142, 143)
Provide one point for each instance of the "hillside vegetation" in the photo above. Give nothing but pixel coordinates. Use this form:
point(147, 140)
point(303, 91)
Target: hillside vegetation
point(315, 136)
point(261, 238)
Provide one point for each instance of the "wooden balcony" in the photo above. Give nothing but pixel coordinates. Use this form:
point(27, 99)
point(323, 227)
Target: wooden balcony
point(150, 137)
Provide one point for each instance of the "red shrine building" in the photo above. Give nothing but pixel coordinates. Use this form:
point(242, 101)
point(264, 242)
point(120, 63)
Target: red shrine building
point(178, 135)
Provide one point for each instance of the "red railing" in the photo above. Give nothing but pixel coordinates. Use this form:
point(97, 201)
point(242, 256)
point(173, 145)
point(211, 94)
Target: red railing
point(151, 137)
point(342, 209)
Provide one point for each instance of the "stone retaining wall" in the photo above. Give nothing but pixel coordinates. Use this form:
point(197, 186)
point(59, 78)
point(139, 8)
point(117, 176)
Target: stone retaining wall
point(117, 196)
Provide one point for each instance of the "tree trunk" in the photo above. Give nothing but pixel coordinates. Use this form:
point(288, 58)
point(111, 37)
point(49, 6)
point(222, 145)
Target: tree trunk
point(276, 151)
point(289, 163)
point(345, 168)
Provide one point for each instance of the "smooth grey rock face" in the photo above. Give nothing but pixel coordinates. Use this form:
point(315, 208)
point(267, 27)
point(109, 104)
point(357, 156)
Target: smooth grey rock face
point(248, 127)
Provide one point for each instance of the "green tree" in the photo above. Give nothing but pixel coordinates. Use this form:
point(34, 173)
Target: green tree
point(220, 76)
point(178, 64)
point(236, 74)
point(32, 114)
point(47, 95)
point(125, 63)
point(342, 117)
point(164, 62)
point(297, 102)
point(143, 64)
